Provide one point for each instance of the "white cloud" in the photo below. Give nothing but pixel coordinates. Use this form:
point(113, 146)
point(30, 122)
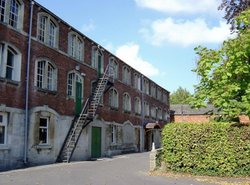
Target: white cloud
point(185, 32)
point(88, 27)
point(129, 53)
point(177, 6)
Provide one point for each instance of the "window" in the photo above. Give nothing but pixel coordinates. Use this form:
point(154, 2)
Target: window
point(76, 46)
point(165, 115)
point(146, 108)
point(113, 134)
point(10, 63)
point(3, 128)
point(159, 114)
point(153, 90)
point(126, 102)
point(137, 106)
point(97, 59)
point(165, 98)
point(153, 112)
point(11, 12)
point(74, 78)
point(113, 98)
point(126, 75)
point(146, 86)
point(114, 67)
point(46, 75)
point(47, 30)
point(43, 131)
point(137, 81)
point(159, 94)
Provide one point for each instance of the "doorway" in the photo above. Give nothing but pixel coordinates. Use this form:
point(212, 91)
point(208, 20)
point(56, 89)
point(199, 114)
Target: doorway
point(96, 142)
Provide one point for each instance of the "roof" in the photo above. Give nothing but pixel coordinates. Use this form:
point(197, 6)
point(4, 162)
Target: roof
point(184, 109)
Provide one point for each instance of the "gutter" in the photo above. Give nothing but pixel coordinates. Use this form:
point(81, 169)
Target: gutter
point(27, 85)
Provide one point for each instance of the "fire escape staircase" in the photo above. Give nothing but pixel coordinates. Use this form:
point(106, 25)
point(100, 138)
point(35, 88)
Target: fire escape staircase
point(86, 116)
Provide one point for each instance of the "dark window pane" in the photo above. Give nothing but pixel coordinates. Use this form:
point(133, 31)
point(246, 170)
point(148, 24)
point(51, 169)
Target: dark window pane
point(43, 135)
point(2, 130)
point(43, 122)
point(1, 118)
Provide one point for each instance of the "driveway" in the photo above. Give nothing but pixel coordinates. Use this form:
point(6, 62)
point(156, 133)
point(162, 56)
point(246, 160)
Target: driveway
point(131, 169)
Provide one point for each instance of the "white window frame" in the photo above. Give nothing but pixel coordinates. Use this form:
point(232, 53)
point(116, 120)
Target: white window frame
point(43, 75)
point(159, 94)
point(153, 90)
point(72, 78)
point(153, 112)
point(137, 106)
point(114, 134)
point(159, 113)
point(95, 55)
point(146, 86)
point(113, 98)
point(115, 67)
point(146, 108)
point(46, 128)
point(126, 102)
point(126, 75)
point(47, 30)
point(14, 19)
point(3, 123)
point(76, 46)
point(137, 81)
point(5, 49)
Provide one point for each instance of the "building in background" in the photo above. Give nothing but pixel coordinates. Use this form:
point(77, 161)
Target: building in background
point(48, 70)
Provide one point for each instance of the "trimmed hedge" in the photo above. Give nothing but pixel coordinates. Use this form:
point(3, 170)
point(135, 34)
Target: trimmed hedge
point(220, 149)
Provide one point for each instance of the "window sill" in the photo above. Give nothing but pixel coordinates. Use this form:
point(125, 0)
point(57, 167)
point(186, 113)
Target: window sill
point(4, 147)
point(43, 147)
point(8, 81)
point(47, 91)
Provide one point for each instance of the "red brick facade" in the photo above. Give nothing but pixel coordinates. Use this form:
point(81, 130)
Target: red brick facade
point(13, 93)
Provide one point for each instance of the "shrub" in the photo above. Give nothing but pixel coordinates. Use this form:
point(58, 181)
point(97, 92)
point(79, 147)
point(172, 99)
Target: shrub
point(221, 149)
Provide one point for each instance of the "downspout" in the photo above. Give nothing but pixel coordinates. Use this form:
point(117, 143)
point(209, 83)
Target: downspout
point(142, 114)
point(27, 86)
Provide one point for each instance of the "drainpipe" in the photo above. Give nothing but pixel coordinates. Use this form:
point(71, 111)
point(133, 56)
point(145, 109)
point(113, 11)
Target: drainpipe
point(142, 114)
point(27, 86)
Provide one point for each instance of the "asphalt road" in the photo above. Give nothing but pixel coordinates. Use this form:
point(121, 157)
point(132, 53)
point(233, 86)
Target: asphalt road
point(131, 169)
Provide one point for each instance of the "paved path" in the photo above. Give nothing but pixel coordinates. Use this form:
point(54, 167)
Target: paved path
point(131, 169)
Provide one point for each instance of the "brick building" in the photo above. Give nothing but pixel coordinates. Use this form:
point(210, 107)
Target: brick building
point(48, 70)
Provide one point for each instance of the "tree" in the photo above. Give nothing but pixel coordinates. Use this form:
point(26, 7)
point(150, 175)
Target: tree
point(233, 8)
point(180, 96)
point(225, 73)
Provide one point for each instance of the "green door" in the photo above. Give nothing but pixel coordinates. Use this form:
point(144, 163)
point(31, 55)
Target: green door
point(96, 145)
point(78, 104)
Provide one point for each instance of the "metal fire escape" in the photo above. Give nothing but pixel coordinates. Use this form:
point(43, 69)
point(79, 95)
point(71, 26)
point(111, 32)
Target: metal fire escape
point(86, 116)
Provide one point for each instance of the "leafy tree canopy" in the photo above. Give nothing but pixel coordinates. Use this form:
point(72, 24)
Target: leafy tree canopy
point(225, 73)
point(180, 96)
point(232, 9)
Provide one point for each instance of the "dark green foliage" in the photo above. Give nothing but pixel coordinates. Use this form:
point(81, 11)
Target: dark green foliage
point(220, 149)
point(180, 96)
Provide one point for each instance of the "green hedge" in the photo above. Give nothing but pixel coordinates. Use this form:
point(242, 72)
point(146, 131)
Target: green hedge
point(220, 149)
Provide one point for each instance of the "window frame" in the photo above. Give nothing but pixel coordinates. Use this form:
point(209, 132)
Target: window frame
point(5, 49)
point(113, 98)
point(13, 19)
point(115, 66)
point(45, 77)
point(126, 75)
point(4, 124)
point(137, 81)
point(76, 77)
point(44, 127)
point(137, 106)
point(44, 30)
point(76, 46)
point(126, 98)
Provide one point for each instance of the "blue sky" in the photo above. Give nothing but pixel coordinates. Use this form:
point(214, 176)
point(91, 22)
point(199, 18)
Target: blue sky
point(157, 37)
